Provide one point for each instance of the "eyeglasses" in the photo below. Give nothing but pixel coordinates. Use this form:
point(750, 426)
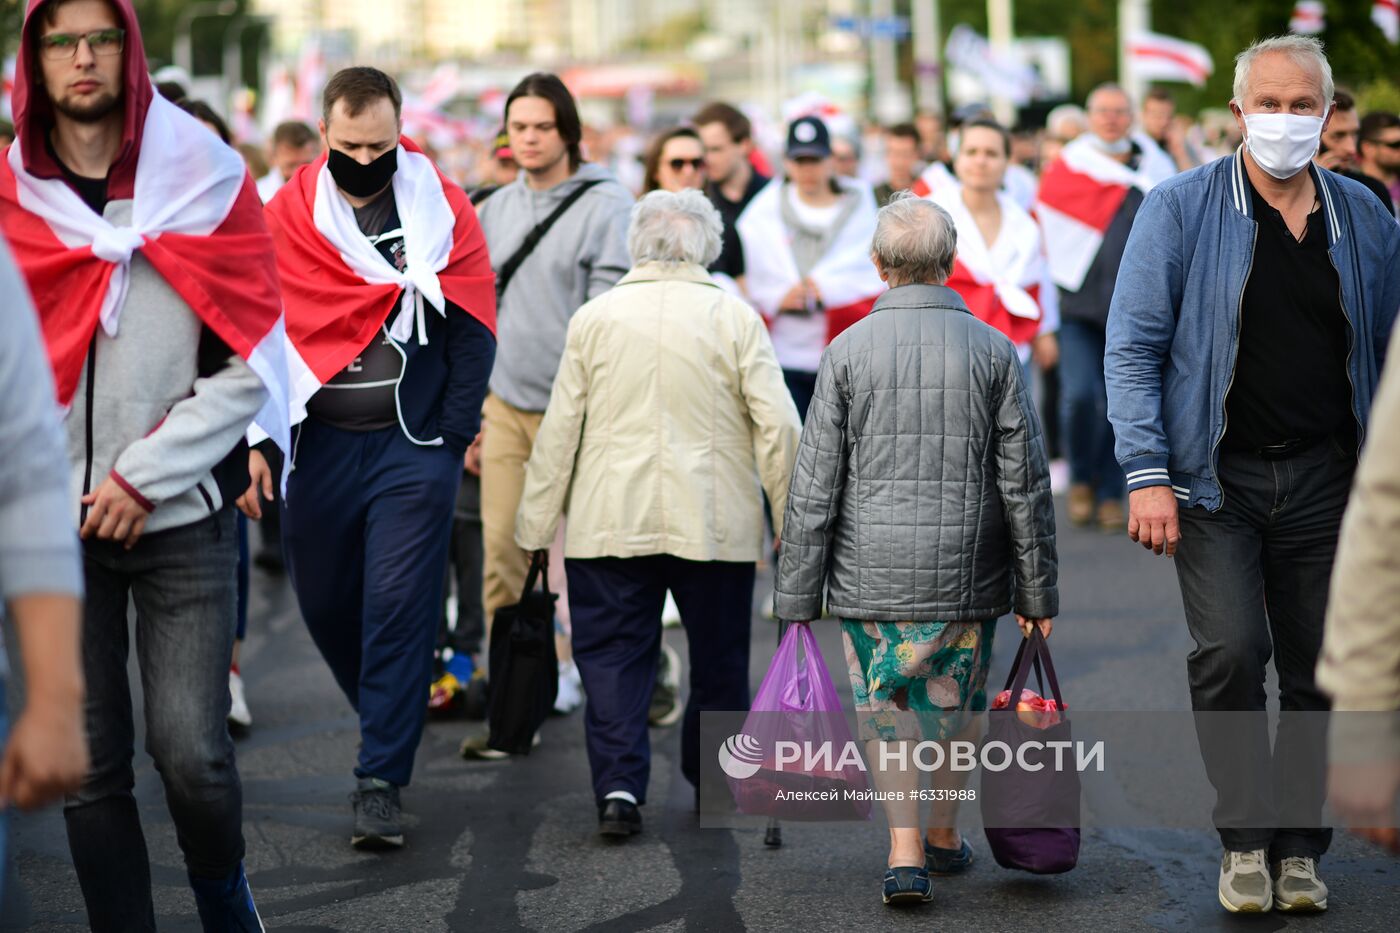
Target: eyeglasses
point(61, 46)
point(678, 164)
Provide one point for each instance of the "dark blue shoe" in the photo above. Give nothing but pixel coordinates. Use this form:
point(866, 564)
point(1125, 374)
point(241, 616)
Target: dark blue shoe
point(947, 861)
point(905, 886)
point(226, 905)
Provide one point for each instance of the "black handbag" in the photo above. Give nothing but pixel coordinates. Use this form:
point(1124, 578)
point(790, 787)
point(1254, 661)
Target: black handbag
point(523, 666)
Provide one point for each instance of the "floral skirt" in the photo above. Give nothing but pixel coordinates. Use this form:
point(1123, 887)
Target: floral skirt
point(910, 680)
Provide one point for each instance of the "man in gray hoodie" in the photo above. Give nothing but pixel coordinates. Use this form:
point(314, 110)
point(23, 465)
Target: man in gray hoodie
point(581, 254)
point(158, 314)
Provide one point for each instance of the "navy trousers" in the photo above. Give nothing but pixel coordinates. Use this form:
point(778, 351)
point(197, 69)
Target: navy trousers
point(615, 607)
point(365, 532)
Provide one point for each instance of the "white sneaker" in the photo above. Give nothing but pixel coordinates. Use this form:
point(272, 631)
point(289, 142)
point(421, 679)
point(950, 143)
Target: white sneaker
point(1297, 887)
point(570, 695)
point(238, 713)
point(670, 613)
point(1244, 882)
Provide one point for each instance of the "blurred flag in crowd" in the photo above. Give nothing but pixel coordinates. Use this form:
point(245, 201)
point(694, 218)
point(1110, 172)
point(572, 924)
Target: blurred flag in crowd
point(1309, 18)
point(1001, 75)
point(1386, 15)
point(1156, 57)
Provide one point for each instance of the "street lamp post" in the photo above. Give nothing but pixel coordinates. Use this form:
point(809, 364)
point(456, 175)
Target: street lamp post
point(184, 46)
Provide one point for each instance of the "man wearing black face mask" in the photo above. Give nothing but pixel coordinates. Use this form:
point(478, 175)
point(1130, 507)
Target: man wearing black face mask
point(391, 310)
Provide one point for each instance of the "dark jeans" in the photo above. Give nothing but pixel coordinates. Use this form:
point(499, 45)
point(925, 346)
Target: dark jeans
point(802, 386)
point(1086, 436)
point(615, 606)
point(1254, 579)
point(365, 528)
point(243, 579)
point(465, 562)
point(183, 584)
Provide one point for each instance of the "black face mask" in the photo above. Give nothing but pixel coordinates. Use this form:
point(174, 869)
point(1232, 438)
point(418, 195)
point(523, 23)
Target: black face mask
point(363, 181)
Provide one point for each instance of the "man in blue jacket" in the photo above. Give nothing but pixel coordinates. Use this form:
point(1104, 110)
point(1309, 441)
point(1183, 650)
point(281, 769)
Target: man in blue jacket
point(1245, 342)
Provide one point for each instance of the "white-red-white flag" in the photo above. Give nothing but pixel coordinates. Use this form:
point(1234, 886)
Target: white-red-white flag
point(1386, 15)
point(1309, 18)
point(1155, 57)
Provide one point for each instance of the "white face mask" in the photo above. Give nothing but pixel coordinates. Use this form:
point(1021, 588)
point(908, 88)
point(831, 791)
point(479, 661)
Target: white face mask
point(1116, 148)
point(1282, 144)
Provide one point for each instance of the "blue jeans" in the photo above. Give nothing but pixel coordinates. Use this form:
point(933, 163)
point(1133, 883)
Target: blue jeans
point(1254, 579)
point(615, 606)
point(1086, 435)
point(183, 582)
point(365, 532)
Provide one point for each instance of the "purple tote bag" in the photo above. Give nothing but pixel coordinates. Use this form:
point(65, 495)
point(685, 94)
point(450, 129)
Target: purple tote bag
point(1031, 817)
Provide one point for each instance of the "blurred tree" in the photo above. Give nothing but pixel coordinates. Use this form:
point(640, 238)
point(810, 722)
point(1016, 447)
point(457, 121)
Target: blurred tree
point(158, 20)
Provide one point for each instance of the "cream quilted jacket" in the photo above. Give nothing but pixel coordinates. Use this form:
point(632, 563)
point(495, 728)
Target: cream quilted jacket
point(668, 421)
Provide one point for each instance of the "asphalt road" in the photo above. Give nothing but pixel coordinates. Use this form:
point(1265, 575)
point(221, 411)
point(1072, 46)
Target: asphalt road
point(512, 846)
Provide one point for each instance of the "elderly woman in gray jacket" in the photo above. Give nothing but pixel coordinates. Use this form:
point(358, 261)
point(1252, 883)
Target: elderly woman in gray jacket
point(920, 505)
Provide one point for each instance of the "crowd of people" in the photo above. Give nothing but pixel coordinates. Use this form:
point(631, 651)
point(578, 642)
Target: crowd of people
point(422, 392)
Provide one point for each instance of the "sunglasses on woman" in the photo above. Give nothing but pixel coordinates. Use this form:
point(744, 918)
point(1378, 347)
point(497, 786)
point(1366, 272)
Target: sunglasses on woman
point(678, 164)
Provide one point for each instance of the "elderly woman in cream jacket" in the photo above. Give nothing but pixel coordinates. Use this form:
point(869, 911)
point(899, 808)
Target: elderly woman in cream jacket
point(668, 422)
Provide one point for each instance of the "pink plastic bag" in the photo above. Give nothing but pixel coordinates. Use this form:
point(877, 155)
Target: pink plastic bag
point(797, 703)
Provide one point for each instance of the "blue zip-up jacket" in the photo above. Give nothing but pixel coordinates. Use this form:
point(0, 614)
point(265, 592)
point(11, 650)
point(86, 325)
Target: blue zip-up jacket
point(1174, 324)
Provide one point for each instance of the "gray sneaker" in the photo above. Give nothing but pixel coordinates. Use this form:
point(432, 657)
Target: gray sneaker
point(1244, 882)
point(378, 818)
point(1297, 888)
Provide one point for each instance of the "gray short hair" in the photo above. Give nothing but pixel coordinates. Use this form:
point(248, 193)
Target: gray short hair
point(675, 226)
point(915, 241)
point(1067, 113)
point(1304, 50)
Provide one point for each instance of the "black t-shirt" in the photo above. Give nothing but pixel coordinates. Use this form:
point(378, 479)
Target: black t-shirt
point(361, 396)
point(1291, 378)
point(93, 191)
point(731, 255)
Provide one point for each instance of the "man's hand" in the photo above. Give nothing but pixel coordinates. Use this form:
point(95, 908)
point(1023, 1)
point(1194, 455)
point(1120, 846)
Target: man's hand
point(471, 460)
point(1334, 160)
point(47, 753)
point(113, 515)
point(1045, 350)
point(1152, 519)
point(260, 480)
point(795, 300)
point(1364, 796)
point(1045, 625)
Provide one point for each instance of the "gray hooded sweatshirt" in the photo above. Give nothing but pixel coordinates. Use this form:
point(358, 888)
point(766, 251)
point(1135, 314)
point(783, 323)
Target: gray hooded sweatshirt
point(583, 255)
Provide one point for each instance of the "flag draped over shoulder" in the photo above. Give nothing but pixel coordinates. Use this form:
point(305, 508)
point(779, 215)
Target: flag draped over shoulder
point(339, 290)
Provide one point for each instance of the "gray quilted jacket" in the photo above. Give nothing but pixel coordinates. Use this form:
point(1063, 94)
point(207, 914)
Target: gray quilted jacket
point(921, 490)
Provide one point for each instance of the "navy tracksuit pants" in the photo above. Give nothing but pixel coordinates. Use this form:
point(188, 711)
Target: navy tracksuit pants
point(366, 527)
point(615, 608)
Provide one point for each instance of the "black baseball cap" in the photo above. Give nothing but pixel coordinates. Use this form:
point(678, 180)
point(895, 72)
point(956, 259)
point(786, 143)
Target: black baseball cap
point(808, 137)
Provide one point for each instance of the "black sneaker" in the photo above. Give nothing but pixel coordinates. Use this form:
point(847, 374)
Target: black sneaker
point(378, 818)
point(618, 818)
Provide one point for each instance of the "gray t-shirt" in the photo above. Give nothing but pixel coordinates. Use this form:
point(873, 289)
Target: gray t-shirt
point(361, 396)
